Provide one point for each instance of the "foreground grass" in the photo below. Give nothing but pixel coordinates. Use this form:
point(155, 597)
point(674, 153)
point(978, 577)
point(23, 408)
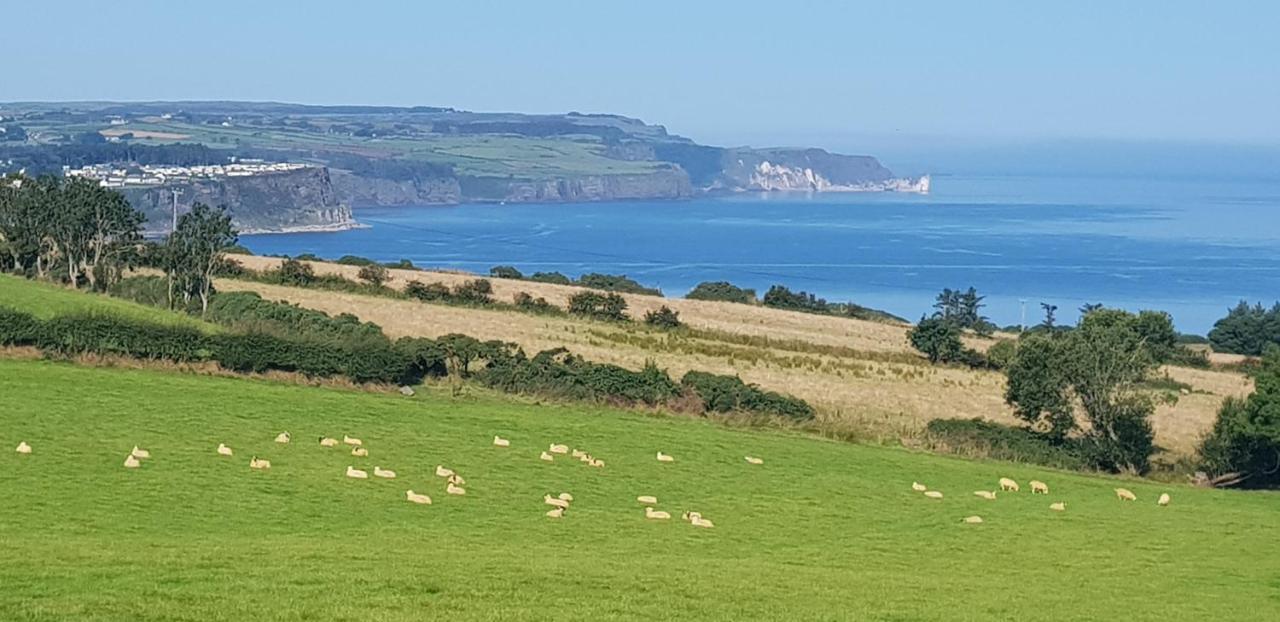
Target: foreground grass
point(45, 300)
point(820, 531)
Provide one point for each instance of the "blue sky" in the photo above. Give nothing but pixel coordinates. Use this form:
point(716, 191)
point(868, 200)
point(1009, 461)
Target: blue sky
point(876, 74)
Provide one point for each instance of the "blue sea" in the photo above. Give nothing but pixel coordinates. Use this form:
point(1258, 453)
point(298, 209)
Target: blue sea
point(1192, 247)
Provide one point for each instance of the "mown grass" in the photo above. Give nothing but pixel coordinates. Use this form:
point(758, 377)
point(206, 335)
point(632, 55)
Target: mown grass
point(822, 530)
point(46, 300)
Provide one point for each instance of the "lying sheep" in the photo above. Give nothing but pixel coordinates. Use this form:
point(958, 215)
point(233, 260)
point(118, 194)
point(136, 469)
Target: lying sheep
point(223, 450)
point(258, 463)
point(414, 497)
point(456, 479)
point(132, 463)
point(498, 441)
point(283, 438)
point(1039, 487)
point(24, 448)
point(595, 463)
point(751, 460)
point(383, 473)
point(665, 458)
point(546, 456)
point(359, 452)
point(454, 490)
point(555, 513)
point(355, 473)
point(985, 494)
point(701, 522)
point(578, 453)
point(566, 496)
point(648, 500)
point(328, 442)
point(1164, 499)
point(933, 494)
point(1008, 484)
point(555, 501)
point(973, 520)
point(1058, 507)
point(140, 454)
point(1124, 494)
point(656, 514)
point(558, 449)
point(918, 487)
point(351, 441)
point(443, 472)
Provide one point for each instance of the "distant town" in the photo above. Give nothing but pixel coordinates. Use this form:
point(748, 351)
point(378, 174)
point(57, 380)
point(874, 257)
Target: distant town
point(114, 176)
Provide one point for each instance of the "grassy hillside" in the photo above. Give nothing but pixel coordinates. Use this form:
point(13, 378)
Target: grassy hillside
point(822, 530)
point(46, 300)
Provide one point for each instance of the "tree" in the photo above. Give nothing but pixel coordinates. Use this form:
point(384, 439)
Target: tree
point(505, 272)
point(1244, 446)
point(722, 290)
point(663, 317)
point(964, 309)
point(601, 306)
point(1246, 329)
point(1050, 320)
point(115, 228)
point(938, 339)
point(295, 272)
point(194, 252)
point(373, 274)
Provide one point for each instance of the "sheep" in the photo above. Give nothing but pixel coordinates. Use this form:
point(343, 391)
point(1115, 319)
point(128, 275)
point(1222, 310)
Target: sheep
point(1124, 494)
point(656, 514)
point(454, 490)
point(443, 472)
point(577, 453)
point(918, 487)
point(1008, 484)
point(498, 441)
point(751, 460)
point(665, 458)
point(131, 463)
point(359, 452)
point(414, 497)
point(257, 463)
point(691, 516)
point(555, 513)
point(973, 520)
point(647, 499)
point(558, 449)
point(1058, 507)
point(546, 456)
point(566, 496)
point(140, 453)
point(933, 494)
point(328, 442)
point(584, 457)
point(383, 473)
point(1164, 499)
point(24, 448)
point(456, 480)
point(1039, 487)
point(223, 450)
point(283, 438)
point(701, 522)
point(355, 473)
point(555, 501)
point(985, 494)
point(351, 441)
point(595, 463)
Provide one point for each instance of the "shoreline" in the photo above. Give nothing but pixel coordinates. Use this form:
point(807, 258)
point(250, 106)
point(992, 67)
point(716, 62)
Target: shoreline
point(329, 228)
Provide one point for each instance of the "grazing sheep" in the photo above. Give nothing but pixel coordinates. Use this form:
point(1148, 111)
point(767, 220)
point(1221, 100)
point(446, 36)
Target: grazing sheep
point(665, 458)
point(691, 516)
point(701, 522)
point(223, 450)
point(566, 496)
point(456, 479)
point(498, 441)
point(555, 501)
point(647, 499)
point(140, 454)
point(751, 460)
point(1058, 507)
point(355, 473)
point(558, 449)
point(933, 494)
point(359, 452)
point(283, 438)
point(1008, 484)
point(414, 497)
point(1124, 494)
point(1164, 499)
point(595, 463)
point(577, 453)
point(24, 448)
point(973, 520)
point(454, 490)
point(986, 494)
point(1039, 487)
point(257, 463)
point(546, 456)
point(585, 457)
point(328, 442)
point(555, 513)
point(383, 473)
point(656, 514)
point(131, 463)
point(443, 472)
point(918, 487)
point(351, 441)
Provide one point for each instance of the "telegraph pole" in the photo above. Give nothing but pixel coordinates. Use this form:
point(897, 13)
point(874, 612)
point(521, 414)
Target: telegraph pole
point(1023, 324)
point(174, 227)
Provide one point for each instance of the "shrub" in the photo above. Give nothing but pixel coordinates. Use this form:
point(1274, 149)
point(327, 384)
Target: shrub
point(247, 310)
point(607, 307)
point(148, 290)
point(1244, 445)
point(938, 339)
point(402, 264)
point(18, 328)
point(730, 393)
point(78, 333)
point(663, 317)
point(558, 373)
point(374, 275)
point(294, 272)
point(779, 297)
point(526, 302)
point(1001, 353)
point(554, 278)
point(505, 272)
point(722, 291)
point(355, 260)
point(473, 292)
point(427, 292)
point(976, 437)
point(615, 283)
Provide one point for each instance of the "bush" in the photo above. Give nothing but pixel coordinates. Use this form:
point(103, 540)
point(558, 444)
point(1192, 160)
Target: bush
point(525, 302)
point(475, 292)
point(554, 278)
point(663, 317)
point(558, 373)
point(938, 339)
point(505, 272)
point(1244, 445)
point(18, 328)
point(427, 293)
point(730, 393)
point(294, 272)
point(148, 290)
point(1001, 353)
point(779, 297)
point(723, 291)
point(402, 264)
point(355, 260)
point(607, 307)
point(80, 333)
point(1246, 329)
point(615, 283)
point(975, 437)
point(247, 310)
point(374, 275)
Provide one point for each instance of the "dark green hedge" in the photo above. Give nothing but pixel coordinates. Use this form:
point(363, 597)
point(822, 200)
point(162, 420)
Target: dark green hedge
point(558, 373)
point(729, 393)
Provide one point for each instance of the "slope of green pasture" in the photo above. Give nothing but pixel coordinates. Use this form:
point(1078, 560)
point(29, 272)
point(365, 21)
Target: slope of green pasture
point(46, 300)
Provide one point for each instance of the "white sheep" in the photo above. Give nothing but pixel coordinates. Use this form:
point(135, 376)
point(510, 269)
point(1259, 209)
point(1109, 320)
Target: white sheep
point(328, 442)
point(1164, 499)
point(1039, 487)
point(414, 497)
point(131, 463)
point(584, 457)
point(973, 520)
point(359, 452)
point(1058, 507)
point(555, 501)
point(454, 490)
point(443, 472)
point(578, 453)
point(691, 516)
point(1008, 484)
point(595, 463)
point(355, 473)
point(258, 463)
point(351, 441)
point(24, 448)
point(383, 473)
point(555, 513)
point(656, 514)
point(1124, 494)
point(566, 496)
point(140, 454)
point(558, 449)
point(283, 438)
point(665, 458)
point(918, 487)
point(223, 450)
point(933, 494)
point(498, 441)
point(647, 499)
point(456, 479)
point(751, 460)
point(701, 522)
point(985, 494)
point(546, 456)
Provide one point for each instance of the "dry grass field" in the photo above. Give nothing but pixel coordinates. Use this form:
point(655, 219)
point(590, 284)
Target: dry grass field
point(863, 377)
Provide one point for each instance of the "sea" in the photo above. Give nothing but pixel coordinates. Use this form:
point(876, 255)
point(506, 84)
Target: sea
point(1192, 247)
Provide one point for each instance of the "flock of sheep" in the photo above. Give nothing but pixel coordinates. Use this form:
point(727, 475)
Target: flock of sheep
point(1037, 487)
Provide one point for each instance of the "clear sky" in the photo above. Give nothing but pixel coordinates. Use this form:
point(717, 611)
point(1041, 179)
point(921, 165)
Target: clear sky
point(735, 72)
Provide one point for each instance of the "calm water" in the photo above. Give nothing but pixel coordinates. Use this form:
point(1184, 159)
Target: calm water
point(1190, 247)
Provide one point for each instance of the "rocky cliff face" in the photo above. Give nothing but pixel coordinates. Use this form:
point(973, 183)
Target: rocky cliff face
point(362, 191)
point(301, 200)
point(813, 170)
point(669, 184)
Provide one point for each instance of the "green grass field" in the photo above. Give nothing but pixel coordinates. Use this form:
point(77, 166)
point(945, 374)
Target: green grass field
point(822, 530)
point(45, 300)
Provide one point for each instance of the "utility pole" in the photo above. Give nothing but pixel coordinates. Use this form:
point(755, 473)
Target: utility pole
point(1023, 323)
point(174, 227)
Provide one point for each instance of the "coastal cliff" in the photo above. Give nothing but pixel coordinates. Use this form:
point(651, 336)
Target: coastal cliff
point(813, 170)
